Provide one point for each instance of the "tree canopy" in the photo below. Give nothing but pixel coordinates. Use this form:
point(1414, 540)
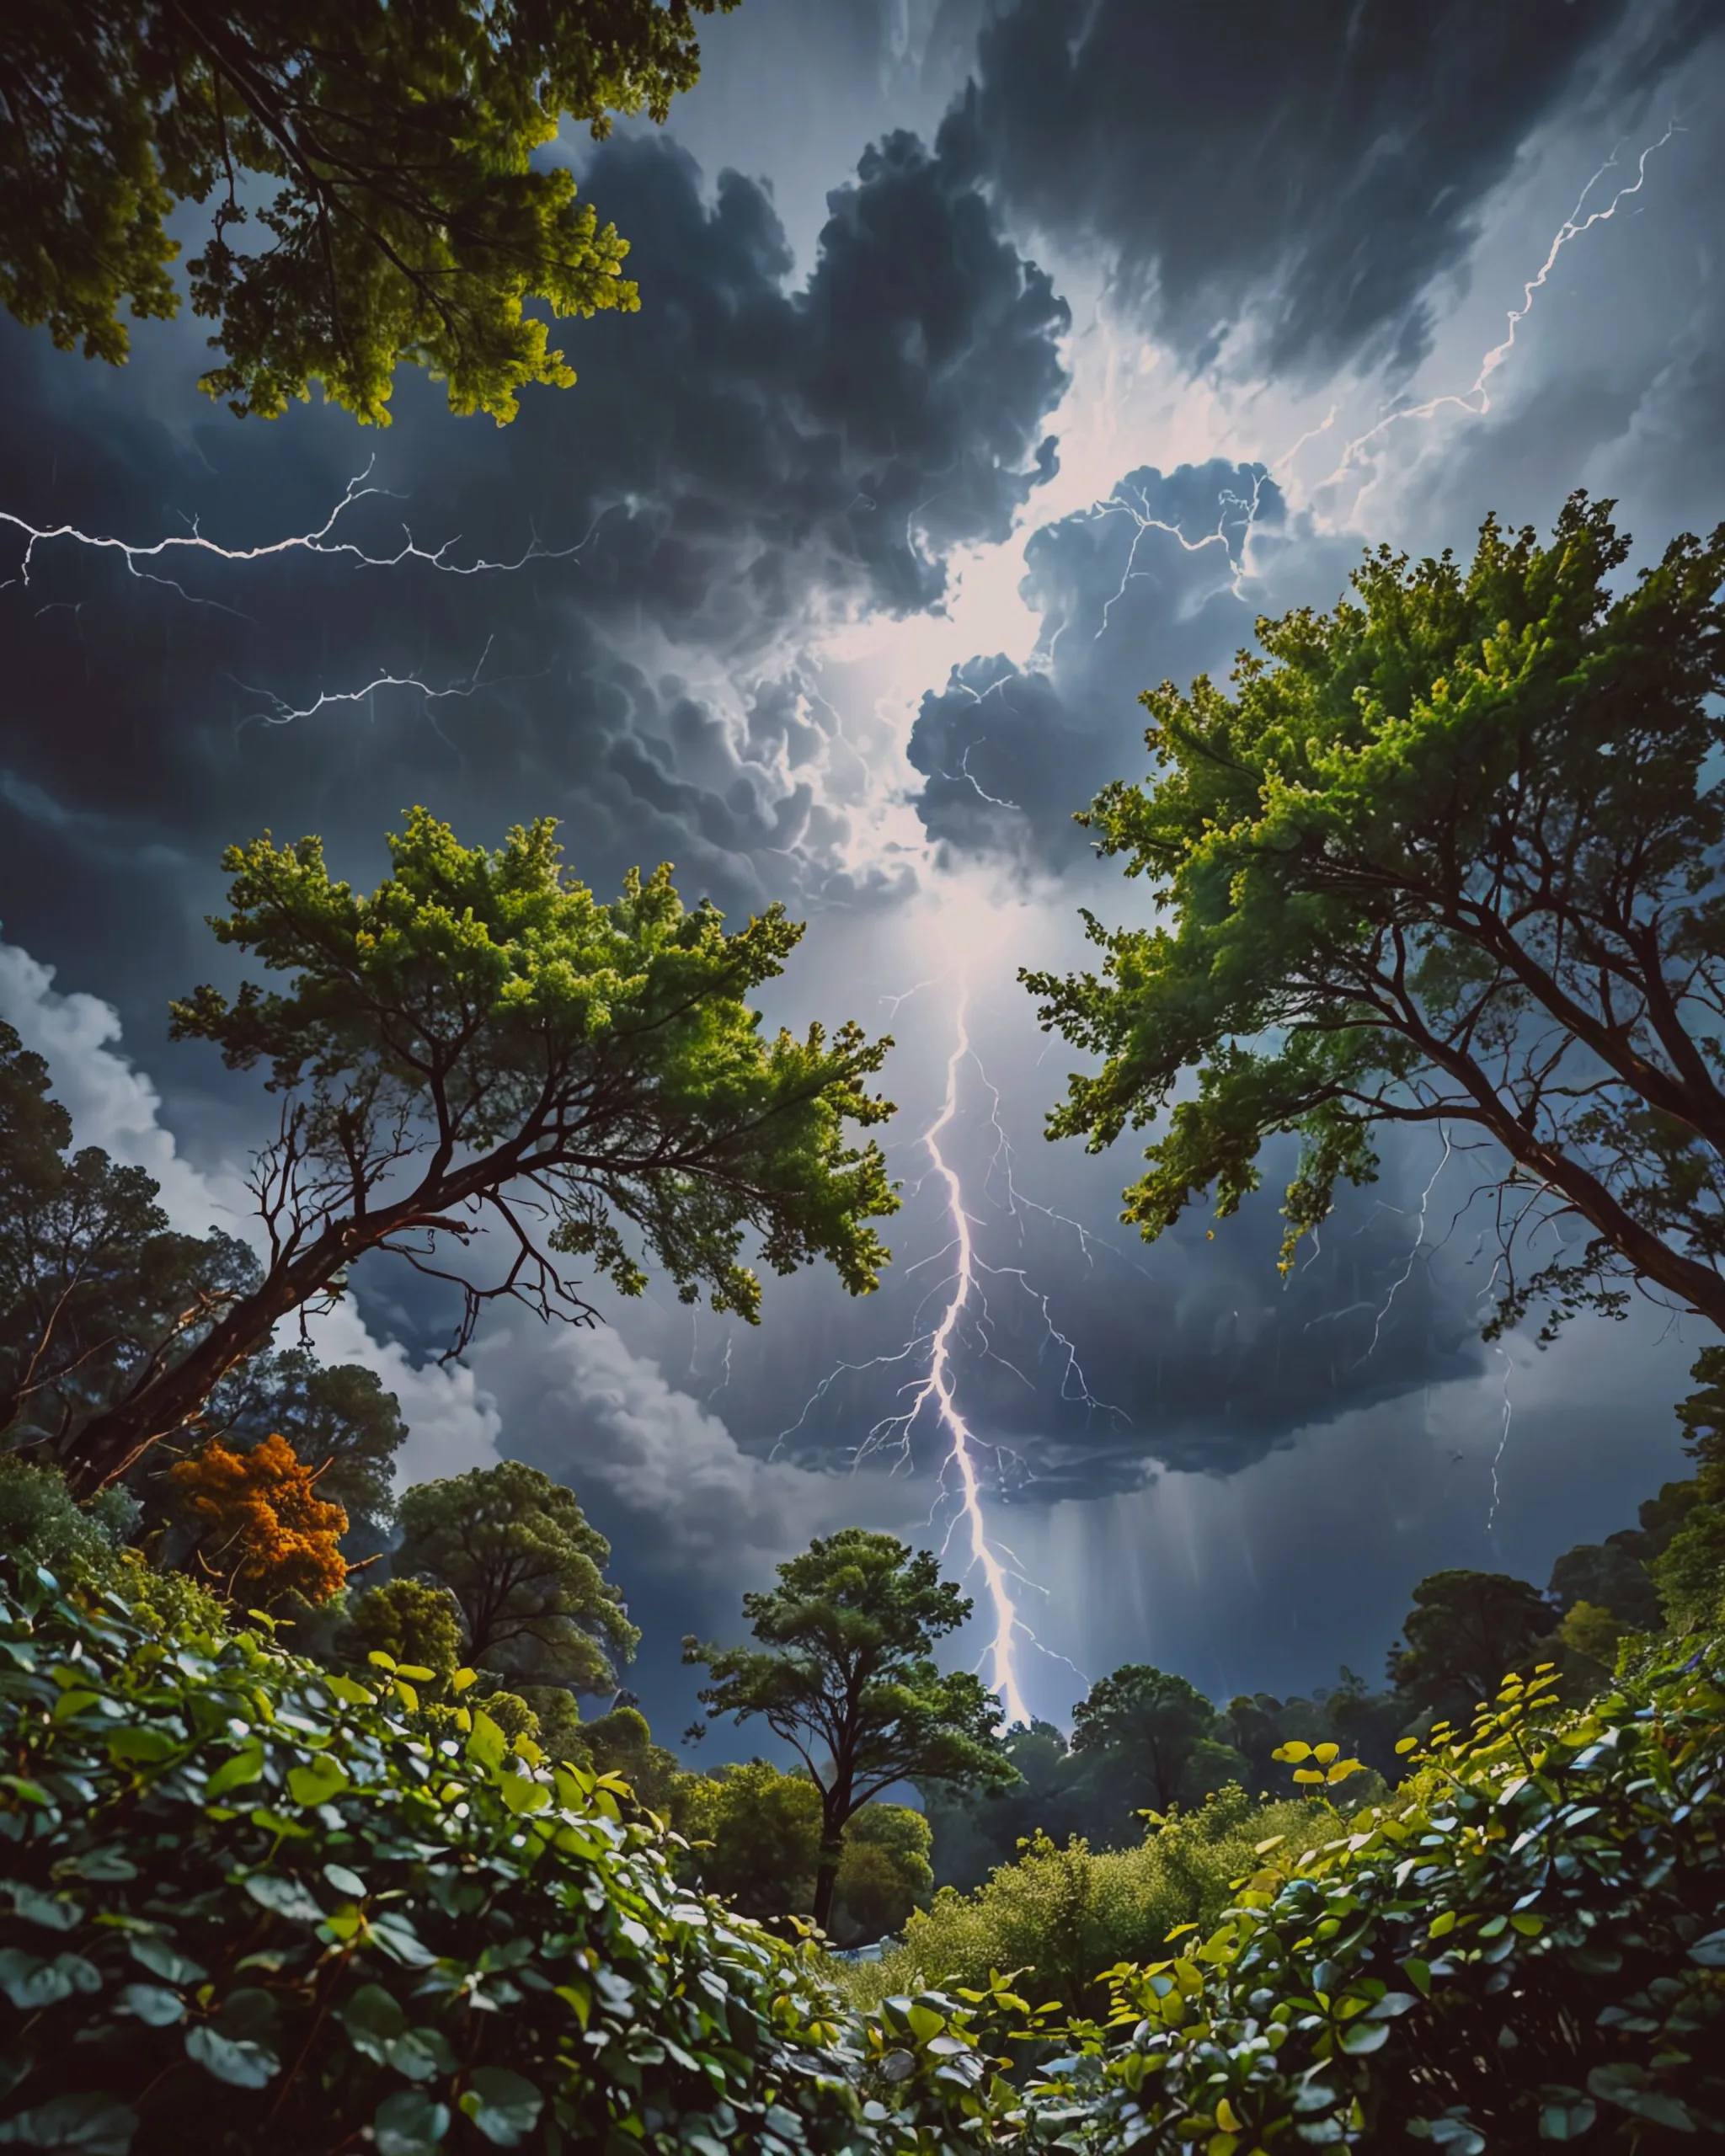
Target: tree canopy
point(527, 1571)
point(1148, 1723)
point(371, 171)
point(1449, 857)
point(481, 1042)
point(844, 1674)
point(1465, 1632)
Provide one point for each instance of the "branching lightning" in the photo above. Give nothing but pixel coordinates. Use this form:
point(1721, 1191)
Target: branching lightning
point(1476, 400)
point(276, 710)
point(322, 540)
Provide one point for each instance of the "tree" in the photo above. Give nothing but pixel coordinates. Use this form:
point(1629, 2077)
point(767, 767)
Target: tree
point(845, 1675)
point(264, 1531)
point(1465, 1633)
point(482, 1041)
point(410, 1621)
point(884, 1874)
point(339, 1420)
point(1139, 1729)
point(97, 1292)
point(527, 1571)
point(1609, 1576)
point(386, 152)
point(762, 1829)
point(1449, 856)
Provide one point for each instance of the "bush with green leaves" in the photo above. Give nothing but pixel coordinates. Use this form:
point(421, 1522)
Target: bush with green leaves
point(234, 1888)
point(1062, 1915)
point(1527, 1946)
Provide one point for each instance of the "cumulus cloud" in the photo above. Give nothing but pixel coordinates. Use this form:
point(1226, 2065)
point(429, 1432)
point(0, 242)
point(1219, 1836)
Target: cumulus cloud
point(587, 1410)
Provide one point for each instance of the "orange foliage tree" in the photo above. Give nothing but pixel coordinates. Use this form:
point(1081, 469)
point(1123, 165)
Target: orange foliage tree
point(262, 1528)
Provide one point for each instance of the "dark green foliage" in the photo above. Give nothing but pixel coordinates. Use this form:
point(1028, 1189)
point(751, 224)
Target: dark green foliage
point(1525, 1947)
point(526, 1570)
point(1609, 1576)
point(1465, 1631)
point(1449, 855)
point(1144, 1727)
point(339, 1420)
point(241, 1907)
point(96, 1289)
point(482, 1043)
point(844, 1674)
point(372, 192)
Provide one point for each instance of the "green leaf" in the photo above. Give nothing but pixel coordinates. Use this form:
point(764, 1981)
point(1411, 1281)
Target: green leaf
point(245, 1766)
point(285, 1896)
point(373, 2018)
point(240, 2062)
point(318, 1782)
point(345, 1881)
point(487, 1745)
point(419, 2053)
point(53, 1912)
point(1418, 1973)
point(1709, 1951)
point(153, 2005)
point(410, 2124)
point(162, 1959)
point(522, 1794)
point(142, 1746)
point(1632, 2089)
point(91, 2123)
point(1566, 2117)
point(1362, 2036)
point(503, 2106)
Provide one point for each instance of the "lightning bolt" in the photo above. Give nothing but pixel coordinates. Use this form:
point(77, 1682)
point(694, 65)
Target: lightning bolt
point(321, 540)
point(276, 710)
point(1407, 1271)
point(1502, 1441)
point(1476, 401)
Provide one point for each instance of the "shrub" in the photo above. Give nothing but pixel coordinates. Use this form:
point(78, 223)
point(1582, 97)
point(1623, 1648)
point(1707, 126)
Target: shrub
point(1526, 1948)
point(1062, 1915)
point(261, 1525)
point(237, 1891)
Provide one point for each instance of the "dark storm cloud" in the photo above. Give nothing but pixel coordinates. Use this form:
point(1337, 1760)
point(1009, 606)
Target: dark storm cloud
point(740, 463)
point(1304, 172)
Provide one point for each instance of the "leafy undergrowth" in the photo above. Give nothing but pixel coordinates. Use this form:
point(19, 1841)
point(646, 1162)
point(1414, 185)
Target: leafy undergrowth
point(250, 1911)
point(1528, 1946)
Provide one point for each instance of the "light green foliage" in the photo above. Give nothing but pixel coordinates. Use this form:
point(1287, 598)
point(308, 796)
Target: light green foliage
point(1060, 1916)
point(408, 1619)
point(1449, 853)
point(884, 1873)
point(845, 1675)
point(755, 1837)
point(515, 1550)
point(481, 1041)
point(1592, 1633)
point(762, 1831)
point(620, 1743)
point(373, 190)
point(1523, 1947)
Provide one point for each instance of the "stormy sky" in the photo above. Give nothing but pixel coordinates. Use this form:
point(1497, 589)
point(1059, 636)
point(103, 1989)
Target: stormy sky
point(994, 363)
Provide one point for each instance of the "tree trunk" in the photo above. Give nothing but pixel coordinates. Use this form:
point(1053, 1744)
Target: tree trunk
point(826, 1878)
point(110, 1442)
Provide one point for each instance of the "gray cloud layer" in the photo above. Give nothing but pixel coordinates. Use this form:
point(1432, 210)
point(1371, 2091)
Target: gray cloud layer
point(1300, 174)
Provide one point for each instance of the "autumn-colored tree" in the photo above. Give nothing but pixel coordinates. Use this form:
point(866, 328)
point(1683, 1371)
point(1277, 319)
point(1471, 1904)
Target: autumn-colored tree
point(263, 1530)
